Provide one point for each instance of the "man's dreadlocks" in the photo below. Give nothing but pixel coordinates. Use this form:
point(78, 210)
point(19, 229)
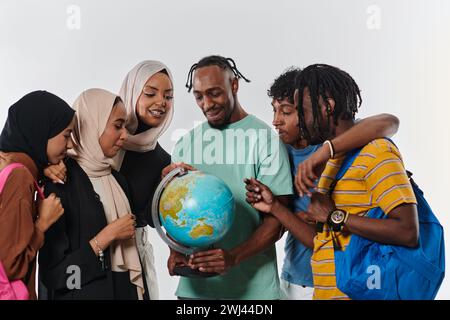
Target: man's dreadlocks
point(215, 60)
point(326, 81)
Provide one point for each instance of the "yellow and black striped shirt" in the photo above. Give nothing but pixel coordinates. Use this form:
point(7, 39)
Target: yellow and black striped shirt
point(377, 178)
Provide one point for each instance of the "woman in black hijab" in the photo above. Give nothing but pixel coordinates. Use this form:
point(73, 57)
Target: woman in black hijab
point(36, 134)
point(32, 121)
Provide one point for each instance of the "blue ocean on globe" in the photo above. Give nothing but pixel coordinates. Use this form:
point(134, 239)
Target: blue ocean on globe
point(196, 209)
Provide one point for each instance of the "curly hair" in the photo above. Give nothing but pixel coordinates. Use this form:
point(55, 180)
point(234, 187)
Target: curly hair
point(284, 85)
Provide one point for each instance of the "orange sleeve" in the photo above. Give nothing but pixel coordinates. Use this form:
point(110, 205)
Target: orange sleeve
point(20, 240)
point(388, 182)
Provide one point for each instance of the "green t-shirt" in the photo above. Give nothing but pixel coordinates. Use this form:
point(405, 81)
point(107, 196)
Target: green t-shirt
point(244, 149)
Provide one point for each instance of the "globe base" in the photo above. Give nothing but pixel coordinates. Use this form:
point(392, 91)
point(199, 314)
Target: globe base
point(186, 271)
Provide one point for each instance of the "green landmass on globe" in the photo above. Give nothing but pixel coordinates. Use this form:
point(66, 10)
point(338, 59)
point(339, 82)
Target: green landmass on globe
point(196, 209)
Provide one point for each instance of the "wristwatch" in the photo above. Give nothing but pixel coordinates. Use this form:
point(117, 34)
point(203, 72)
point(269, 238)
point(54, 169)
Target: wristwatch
point(337, 219)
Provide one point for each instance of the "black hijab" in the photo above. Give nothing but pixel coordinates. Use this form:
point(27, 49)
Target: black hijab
point(32, 121)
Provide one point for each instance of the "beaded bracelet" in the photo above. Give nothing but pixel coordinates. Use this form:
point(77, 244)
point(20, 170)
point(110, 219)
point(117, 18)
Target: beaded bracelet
point(101, 255)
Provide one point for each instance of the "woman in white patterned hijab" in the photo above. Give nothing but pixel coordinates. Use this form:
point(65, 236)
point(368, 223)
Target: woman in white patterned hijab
point(147, 93)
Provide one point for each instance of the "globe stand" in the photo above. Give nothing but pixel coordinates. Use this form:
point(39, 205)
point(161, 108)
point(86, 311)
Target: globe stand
point(184, 271)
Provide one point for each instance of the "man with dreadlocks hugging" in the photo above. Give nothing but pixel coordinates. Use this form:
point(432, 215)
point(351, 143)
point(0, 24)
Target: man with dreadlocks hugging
point(233, 145)
point(296, 276)
point(327, 100)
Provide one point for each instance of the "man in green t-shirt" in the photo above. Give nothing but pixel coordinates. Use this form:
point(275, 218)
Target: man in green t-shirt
point(233, 145)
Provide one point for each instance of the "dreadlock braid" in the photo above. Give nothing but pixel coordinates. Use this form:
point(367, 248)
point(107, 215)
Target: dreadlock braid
point(214, 60)
point(326, 81)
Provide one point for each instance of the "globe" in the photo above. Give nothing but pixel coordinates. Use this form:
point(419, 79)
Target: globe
point(195, 209)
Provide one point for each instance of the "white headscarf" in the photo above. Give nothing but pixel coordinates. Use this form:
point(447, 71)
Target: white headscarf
point(93, 108)
point(130, 92)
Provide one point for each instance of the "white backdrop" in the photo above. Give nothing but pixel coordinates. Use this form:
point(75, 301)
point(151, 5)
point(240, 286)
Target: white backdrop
point(396, 50)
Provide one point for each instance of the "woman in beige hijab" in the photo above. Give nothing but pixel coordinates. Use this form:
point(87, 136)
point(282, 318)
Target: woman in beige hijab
point(147, 92)
point(92, 252)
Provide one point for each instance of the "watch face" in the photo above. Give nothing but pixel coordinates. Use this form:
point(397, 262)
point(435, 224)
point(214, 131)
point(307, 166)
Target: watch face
point(337, 216)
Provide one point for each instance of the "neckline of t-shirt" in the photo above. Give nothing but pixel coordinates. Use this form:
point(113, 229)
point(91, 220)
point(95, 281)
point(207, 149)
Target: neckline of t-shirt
point(235, 124)
point(304, 151)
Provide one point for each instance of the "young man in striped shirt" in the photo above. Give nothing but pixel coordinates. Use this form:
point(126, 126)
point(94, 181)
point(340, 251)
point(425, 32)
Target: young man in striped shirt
point(296, 276)
point(328, 99)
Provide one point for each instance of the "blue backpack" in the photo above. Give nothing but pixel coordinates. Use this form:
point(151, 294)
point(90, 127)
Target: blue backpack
point(368, 270)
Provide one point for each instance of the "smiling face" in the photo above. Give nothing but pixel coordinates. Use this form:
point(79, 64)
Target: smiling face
point(115, 134)
point(58, 145)
point(155, 100)
point(215, 90)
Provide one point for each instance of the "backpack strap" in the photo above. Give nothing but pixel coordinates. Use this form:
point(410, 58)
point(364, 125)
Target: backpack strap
point(348, 161)
point(346, 164)
point(39, 190)
point(4, 174)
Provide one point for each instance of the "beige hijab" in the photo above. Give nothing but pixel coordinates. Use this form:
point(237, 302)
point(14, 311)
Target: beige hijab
point(130, 92)
point(93, 108)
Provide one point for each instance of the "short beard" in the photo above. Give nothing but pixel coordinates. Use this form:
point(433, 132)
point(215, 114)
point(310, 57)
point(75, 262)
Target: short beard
point(221, 126)
point(218, 126)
